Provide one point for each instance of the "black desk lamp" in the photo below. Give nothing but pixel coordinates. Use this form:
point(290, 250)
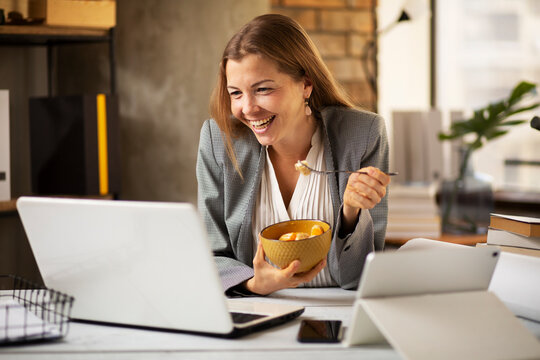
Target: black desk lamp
point(535, 123)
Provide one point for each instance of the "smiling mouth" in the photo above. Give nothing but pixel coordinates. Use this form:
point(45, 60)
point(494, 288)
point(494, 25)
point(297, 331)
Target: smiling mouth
point(263, 123)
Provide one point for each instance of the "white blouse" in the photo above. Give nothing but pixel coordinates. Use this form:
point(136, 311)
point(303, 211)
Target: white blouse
point(311, 200)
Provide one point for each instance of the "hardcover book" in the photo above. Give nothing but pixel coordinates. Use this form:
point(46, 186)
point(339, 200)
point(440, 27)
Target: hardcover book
point(523, 225)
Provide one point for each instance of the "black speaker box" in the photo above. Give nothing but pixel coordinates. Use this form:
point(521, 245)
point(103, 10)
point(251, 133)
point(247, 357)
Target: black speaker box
point(74, 145)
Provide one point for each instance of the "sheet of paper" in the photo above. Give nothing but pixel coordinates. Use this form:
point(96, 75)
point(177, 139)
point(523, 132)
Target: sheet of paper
point(515, 282)
point(18, 323)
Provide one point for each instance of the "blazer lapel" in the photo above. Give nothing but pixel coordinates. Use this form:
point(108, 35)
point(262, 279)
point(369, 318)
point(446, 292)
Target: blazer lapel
point(331, 165)
point(245, 250)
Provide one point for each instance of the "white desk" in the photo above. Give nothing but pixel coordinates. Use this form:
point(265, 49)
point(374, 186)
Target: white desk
point(103, 342)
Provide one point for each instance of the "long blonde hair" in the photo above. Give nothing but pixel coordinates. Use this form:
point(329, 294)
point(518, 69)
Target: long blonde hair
point(283, 41)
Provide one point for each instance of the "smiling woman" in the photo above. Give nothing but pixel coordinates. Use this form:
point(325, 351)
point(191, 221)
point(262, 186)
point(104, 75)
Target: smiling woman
point(275, 103)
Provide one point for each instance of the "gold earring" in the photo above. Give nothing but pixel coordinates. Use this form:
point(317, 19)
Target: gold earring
point(307, 109)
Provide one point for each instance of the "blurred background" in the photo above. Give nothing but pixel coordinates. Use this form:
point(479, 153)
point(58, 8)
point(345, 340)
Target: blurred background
point(417, 60)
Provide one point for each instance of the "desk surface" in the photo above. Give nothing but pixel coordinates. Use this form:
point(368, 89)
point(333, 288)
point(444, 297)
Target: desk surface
point(471, 240)
point(92, 341)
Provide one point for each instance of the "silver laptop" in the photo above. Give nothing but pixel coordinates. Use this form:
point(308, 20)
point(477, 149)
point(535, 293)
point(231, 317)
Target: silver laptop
point(141, 264)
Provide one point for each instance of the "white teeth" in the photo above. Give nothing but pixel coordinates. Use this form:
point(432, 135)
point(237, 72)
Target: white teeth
point(263, 122)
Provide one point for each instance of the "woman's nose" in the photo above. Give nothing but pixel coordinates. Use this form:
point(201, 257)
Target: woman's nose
point(249, 105)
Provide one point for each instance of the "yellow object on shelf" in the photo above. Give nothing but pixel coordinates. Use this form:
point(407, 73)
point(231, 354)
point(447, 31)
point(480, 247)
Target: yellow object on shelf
point(103, 164)
point(76, 13)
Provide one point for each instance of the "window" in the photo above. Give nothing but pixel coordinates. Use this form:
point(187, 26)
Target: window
point(484, 48)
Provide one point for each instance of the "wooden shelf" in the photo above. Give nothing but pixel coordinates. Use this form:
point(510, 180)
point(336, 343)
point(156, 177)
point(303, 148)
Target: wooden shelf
point(43, 35)
point(471, 240)
point(50, 36)
point(8, 206)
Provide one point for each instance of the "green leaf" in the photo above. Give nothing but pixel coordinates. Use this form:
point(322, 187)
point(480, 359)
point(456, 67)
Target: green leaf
point(491, 121)
point(495, 134)
point(520, 90)
point(443, 136)
point(495, 109)
point(462, 127)
point(478, 122)
point(457, 129)
point(477, 144)
point(512, 122)
point(526, 108)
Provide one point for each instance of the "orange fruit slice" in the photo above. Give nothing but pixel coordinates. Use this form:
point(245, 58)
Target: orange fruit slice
point(316, 230)
point(293, 236)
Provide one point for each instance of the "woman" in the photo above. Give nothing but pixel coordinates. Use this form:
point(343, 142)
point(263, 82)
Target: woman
point(276, 103)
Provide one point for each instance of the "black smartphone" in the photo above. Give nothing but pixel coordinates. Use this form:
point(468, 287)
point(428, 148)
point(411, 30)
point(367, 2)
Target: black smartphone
point(320, 331)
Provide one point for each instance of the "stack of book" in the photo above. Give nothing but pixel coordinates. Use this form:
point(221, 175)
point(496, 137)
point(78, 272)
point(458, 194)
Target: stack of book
point(412, 212)
point(515, 280)
point(517, 234)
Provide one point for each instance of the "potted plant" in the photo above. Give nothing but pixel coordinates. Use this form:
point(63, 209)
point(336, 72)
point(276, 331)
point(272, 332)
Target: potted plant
point(486, 124)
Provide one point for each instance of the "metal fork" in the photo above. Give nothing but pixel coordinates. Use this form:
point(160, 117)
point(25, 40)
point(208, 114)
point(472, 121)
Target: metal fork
point(325, 172)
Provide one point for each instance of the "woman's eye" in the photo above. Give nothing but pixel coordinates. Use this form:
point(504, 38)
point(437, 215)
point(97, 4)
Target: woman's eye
point(235, 94)
point(263, 90)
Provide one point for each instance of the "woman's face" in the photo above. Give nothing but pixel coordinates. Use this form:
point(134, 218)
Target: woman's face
point(269, 102)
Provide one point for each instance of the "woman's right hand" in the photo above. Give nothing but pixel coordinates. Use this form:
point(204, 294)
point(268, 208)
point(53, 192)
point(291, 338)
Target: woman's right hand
point(268, 279)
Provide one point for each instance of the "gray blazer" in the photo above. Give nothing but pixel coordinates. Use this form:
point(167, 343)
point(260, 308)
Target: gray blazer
point(352, 139)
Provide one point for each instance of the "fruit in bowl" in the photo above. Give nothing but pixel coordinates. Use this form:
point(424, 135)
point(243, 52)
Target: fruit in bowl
point(305, 240)
point(291, 236)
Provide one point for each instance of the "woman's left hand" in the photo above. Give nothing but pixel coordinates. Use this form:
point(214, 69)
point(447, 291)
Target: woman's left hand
point(363, 191)
point(268, 279)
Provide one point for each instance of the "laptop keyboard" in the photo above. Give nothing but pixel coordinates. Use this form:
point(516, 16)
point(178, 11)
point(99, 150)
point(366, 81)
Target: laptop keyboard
point(241, 318)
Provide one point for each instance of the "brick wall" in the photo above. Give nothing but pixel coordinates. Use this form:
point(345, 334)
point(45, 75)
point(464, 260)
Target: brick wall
point(340, 29)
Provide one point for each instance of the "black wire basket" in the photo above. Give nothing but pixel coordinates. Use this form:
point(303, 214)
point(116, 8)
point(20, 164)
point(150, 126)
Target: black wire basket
point(30, 312)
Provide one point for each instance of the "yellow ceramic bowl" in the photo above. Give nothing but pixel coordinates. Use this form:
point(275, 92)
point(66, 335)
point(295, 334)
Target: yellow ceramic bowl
point(309, 251)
